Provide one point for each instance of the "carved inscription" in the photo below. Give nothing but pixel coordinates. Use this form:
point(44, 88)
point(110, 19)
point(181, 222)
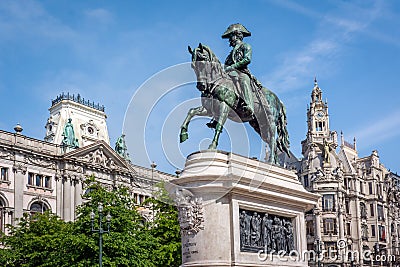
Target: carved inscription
point(188, 249)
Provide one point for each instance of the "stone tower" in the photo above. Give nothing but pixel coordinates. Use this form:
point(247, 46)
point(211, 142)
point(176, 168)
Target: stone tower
point(320, 141)
point(88, 120)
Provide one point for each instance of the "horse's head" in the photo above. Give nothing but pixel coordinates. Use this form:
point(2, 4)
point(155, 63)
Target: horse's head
point(203, 64)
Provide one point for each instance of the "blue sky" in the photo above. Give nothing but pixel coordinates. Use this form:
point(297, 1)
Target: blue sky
point(109, 50)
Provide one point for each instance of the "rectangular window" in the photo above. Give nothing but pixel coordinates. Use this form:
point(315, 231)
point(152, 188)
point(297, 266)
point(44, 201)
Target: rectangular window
point(348, 229)
point(382, 233)
point(330, 249)
point(4, 174)
point(380, 212)
point(38, 181)
point(310, 228)
point(372, 209)
point(373, 230)
point(30, 178)
point(361, 187)
point(328, 203)
point(379, 190)
point(371, 189)
point(318, 125)
point(306, 182)
point(347, 205)
point(47, 180)
point(329, 226)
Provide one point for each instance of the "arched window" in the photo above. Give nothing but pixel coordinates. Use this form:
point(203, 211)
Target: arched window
point(38, 207)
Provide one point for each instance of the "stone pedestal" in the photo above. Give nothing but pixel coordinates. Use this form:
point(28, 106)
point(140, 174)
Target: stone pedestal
point(215, 193)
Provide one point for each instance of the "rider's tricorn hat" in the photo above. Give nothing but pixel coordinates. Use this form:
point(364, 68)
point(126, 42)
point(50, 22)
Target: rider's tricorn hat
point(237, 27)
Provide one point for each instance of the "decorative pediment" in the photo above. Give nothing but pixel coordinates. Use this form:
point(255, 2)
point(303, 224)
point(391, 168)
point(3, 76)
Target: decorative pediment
point(99, 154)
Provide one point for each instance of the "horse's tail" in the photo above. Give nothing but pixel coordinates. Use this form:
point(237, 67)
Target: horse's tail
point(282, 140)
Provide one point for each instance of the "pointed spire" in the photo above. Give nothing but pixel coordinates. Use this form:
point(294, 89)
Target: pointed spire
point(341, 138)
point(316, 95)
point(355, 143)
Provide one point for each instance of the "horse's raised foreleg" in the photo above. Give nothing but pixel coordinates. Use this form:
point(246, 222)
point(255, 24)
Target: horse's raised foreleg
point(223, 115)
point(199, 111)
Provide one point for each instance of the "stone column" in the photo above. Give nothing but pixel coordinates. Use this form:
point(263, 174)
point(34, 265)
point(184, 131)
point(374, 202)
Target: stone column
point(318, 228)
point(9, 219)
point(72, 198)
point(358, 224)
point(67, 198)
point(59, 195)
point(340, 213)
point(19, 170)
point(78, 193)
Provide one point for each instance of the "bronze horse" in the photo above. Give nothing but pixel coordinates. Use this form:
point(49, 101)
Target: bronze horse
point(221, 99)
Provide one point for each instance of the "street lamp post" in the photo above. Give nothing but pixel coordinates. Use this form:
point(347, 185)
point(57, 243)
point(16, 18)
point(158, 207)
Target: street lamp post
point(100, 230)
point(318, 250)
point(153, 167)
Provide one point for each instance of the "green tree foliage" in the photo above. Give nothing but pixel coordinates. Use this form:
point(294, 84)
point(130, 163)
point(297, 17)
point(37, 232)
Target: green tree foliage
point(165, 229)
point(45, 240)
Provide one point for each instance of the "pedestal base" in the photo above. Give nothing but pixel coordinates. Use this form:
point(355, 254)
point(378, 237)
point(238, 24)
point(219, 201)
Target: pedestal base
point(235, 210)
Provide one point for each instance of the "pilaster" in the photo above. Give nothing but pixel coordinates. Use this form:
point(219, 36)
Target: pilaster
point(19, 170)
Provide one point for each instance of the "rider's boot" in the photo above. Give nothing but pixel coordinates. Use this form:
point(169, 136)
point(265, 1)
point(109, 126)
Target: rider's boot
point(248, 97)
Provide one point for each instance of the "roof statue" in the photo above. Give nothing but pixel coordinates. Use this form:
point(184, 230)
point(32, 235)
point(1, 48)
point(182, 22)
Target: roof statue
point(121, 148)
point(230, 91)
point(68, 134)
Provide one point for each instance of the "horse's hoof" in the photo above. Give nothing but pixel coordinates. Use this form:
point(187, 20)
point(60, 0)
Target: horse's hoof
point(212, 124)
point(183, 137)
point(212, 146)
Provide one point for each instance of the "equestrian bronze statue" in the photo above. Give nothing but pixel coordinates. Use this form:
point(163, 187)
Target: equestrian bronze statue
point(231, 91)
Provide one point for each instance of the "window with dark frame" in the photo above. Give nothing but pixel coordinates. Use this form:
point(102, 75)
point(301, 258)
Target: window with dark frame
point(38, 207)
point(348, 229)
point(310, 228)
point(4, 174)
point(329, 226)
point(328, 203)
point(39, 180)
point(382, 233)
point(381, 216)
point(347, 205)
point(306, 181)
point(373, 230)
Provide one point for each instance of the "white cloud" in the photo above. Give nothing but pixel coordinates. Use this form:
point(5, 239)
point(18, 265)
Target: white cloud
point(378, 131)
point(317, 57)
point(28, 18)
point(99, 15)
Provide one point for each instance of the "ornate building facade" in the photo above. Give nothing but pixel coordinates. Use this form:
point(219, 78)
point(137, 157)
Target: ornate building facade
point(356, 222)
point(45, 175)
